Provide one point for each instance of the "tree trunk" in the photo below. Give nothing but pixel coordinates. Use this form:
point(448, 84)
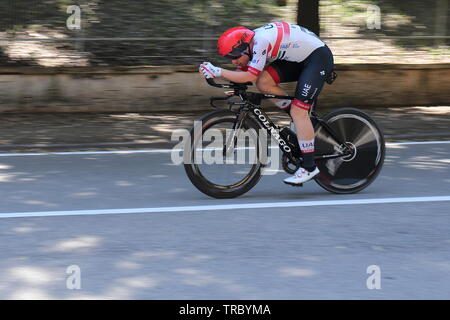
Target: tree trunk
point(308, 15)
point(440, 27)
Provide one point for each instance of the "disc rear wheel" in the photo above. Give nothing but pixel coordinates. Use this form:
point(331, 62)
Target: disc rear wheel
point(361, 144)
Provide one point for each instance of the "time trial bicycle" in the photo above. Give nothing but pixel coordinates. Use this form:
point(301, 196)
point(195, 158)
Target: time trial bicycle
point(349, 146)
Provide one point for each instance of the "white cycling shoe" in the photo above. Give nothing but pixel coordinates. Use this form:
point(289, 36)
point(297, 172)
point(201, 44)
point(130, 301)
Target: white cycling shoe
point(301, 176)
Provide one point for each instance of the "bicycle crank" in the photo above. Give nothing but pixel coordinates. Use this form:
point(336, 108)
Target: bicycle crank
point(290, 166)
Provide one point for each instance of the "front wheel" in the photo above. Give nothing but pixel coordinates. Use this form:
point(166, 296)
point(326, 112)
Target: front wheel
point(220, 161)
point(363, 143)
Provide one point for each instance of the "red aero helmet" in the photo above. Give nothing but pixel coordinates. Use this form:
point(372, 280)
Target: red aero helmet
point(233, 42)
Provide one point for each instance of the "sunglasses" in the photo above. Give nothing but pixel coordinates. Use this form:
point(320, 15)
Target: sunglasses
point(238, 51)
point(233, 56)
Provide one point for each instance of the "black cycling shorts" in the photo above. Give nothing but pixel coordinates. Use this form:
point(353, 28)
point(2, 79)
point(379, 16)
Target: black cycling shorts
point(311, 74)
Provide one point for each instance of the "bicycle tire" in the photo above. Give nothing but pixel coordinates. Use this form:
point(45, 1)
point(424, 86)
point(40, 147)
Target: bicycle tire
point(195, 175)
point(356, 172)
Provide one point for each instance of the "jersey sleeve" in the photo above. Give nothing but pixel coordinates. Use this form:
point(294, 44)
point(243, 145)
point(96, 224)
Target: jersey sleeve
point(260, 51)
point(242, 68)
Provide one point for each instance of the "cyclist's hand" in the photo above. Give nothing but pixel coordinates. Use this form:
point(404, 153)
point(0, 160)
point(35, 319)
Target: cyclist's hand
point(209, 71)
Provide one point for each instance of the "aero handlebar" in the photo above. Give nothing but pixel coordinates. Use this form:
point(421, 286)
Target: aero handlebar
point(242, 87)
point(231, 85)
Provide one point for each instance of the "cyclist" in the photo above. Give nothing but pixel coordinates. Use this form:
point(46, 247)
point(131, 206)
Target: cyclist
point(295, 54)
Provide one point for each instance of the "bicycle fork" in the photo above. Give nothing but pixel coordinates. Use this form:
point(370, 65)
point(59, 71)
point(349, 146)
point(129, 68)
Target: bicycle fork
point(231, 142)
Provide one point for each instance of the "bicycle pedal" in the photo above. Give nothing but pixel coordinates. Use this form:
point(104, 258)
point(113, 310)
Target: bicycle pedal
point(294, 184)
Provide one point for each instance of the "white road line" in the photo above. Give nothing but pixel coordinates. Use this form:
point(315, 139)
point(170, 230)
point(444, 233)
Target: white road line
point(87, 152)
point(259, 205)
point(415, 143)
point(171, 150)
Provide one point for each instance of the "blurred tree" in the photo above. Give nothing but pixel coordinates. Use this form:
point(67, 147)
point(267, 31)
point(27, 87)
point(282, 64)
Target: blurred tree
point(134, 19)
point(410, 18)
point(441, 20)
point(282, 3)
point(18, 14)
point(308, 15)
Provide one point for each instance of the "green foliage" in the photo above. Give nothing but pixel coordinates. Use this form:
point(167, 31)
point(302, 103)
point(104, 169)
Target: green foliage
point(140, 18)
point(189, 19)
point(399, 18)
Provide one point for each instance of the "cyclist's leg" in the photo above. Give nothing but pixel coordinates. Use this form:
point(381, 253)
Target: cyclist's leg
point(274, 74)
point(312, 78)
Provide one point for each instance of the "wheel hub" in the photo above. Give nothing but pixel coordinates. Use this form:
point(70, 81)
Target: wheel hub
point(350, 148)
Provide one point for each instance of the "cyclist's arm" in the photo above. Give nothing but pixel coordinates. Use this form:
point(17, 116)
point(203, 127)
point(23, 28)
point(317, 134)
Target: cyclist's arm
point(238, 76)
point(255, 66)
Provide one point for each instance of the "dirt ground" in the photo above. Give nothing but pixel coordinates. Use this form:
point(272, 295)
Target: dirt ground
point(85, 131)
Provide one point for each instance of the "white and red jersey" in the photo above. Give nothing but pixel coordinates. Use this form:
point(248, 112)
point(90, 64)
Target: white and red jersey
point(281, 41)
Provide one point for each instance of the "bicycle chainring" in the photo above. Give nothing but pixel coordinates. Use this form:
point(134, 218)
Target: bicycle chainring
point(289, 166)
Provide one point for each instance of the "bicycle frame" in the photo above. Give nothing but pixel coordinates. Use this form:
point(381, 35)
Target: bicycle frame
point(251, 104)
point(274, 131)
point(339, 134)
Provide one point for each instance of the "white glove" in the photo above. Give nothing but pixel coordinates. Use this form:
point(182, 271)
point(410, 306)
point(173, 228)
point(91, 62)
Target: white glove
point(209, 71)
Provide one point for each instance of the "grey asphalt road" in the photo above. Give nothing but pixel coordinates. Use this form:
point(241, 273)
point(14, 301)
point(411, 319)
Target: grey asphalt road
point(327, 251)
